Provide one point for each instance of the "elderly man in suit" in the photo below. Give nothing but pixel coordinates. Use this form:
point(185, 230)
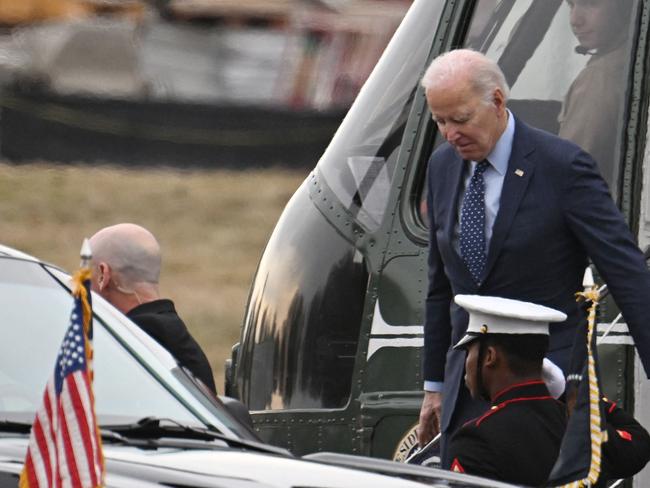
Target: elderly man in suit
point(514, 212)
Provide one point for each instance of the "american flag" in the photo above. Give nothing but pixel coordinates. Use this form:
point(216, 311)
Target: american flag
point(65, 445)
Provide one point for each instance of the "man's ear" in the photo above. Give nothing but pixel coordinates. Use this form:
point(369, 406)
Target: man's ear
point(104, 277)
point(499, 99)
point(491, 356)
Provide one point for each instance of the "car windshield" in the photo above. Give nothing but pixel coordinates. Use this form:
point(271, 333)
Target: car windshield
point(35, 311)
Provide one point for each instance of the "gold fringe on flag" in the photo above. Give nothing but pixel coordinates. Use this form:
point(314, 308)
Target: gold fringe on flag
point(79, 290)
point(598, 436)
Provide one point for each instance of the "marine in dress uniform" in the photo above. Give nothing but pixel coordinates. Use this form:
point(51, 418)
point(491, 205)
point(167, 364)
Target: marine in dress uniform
point(518, 439)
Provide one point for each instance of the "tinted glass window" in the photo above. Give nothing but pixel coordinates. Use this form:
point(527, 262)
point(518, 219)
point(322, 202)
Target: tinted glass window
point(359, 163)
point(567, 63)
point(36, 309)
point(302, 326)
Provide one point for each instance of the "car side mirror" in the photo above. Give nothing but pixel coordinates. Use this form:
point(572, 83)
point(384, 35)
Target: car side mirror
point(229, 369)
point(238, 410)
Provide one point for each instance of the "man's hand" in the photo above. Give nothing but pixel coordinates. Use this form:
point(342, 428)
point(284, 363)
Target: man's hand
point(429, 417)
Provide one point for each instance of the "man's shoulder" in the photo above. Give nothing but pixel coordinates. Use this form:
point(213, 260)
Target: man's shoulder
point(155, 315)
point(545, 143)
point(161, 305)
point(516, 410)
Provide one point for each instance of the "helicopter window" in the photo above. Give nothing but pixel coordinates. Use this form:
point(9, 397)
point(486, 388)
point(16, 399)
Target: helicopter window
point(359, 163)
point(567, 63)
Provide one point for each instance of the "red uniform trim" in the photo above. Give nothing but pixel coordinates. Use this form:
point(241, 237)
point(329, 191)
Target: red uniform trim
point(624, 434)
point(501, 405)
point(517, 385)
point(457, 467)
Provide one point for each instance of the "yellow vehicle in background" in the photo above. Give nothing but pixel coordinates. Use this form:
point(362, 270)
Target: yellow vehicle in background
point(15, 12)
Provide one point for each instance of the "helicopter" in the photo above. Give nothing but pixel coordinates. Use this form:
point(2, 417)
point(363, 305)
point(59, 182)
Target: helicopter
point(332, 339)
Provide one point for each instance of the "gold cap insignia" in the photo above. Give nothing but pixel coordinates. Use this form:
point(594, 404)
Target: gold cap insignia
point(484, 329)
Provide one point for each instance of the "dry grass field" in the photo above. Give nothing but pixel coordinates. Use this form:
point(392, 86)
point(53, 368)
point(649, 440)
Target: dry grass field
point(212, 226)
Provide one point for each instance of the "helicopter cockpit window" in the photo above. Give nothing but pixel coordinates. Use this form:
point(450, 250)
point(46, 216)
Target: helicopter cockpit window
point(567, 63)
point(359, 162)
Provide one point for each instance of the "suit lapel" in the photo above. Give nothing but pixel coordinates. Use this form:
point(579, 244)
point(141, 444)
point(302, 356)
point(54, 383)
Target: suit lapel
point(454, 176)
point(455, 171)
point(520, 171)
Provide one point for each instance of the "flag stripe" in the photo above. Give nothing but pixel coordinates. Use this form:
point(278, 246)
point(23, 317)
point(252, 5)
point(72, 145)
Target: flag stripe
point(82, 425)
point(41, 458)
point(86, 395)
point(73, 441)
point(31, 474)
point(45, 419)
point(62, 460)
point(73, 471)
point(50, 405)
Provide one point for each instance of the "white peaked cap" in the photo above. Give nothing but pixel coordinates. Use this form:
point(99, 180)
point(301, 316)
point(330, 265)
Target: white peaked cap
point(495, 315)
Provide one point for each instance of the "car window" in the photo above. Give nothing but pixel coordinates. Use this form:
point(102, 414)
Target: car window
point(36, 309)
point(567, 63)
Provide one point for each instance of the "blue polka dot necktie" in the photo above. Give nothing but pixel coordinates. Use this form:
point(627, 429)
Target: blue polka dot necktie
point(472, 223)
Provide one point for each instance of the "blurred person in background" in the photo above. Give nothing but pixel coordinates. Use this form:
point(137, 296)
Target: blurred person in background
point(126, 270)
point(594, 103)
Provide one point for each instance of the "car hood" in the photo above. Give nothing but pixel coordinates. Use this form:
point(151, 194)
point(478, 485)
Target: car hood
point(227, 467)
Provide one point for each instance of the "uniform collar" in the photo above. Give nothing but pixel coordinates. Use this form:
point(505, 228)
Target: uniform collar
point(528, 389)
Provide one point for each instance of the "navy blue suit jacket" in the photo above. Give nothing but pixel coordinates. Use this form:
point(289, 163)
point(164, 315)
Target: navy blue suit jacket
point(555, 212)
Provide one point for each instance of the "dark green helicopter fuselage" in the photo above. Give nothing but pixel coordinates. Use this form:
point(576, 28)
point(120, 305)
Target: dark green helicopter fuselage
point(331, 346)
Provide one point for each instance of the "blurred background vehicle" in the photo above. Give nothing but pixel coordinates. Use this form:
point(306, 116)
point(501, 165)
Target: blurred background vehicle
point(185, 82)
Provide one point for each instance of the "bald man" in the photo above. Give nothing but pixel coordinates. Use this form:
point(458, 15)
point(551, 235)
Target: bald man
point(126, 271)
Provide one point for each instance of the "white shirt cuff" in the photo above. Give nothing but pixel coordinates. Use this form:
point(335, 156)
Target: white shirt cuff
point(433, 386)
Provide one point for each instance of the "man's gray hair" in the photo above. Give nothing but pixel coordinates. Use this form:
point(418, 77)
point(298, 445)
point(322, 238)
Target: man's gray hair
point(483, 73)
